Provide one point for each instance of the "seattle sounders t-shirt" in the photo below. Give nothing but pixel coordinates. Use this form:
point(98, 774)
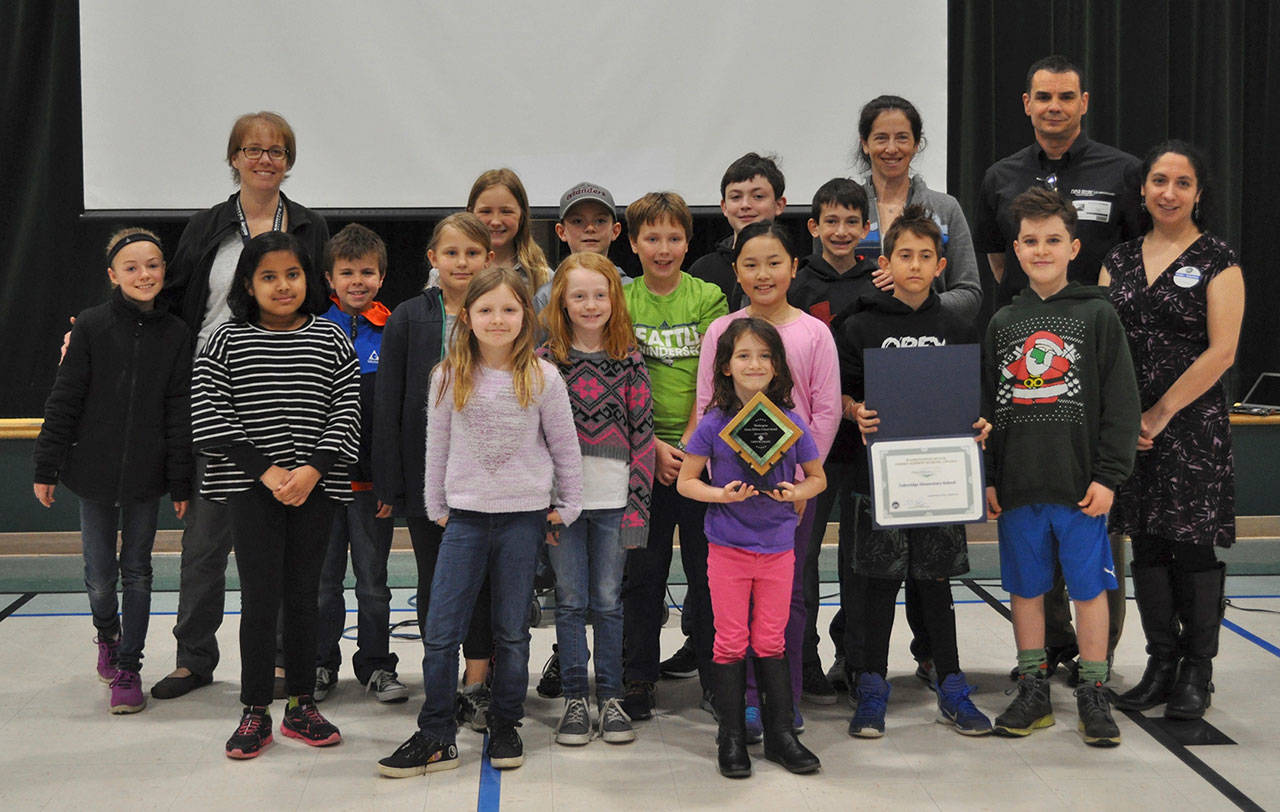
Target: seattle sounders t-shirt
point(669, 331)
point(760, 524)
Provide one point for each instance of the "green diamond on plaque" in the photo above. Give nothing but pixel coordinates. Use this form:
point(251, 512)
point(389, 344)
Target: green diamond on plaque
point(761, 433)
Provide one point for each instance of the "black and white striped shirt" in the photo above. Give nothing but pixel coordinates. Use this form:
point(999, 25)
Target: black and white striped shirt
point(268, 397)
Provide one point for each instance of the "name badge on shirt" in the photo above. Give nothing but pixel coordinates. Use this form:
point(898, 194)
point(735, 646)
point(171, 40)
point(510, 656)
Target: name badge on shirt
point(1098, 211)
point(1186, 277)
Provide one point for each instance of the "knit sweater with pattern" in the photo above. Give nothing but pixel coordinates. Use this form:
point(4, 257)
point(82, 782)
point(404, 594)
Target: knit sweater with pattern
point(613, 411)
point(494, 456)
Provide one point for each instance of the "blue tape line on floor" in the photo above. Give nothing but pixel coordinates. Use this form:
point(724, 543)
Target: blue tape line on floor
point(489, 799)
point(1251, 637)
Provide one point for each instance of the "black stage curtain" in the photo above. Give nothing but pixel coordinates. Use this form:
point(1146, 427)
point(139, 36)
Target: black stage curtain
point(1207, 72)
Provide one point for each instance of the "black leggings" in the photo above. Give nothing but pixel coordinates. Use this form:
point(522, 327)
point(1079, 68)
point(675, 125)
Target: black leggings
point(1153, 551)
point(425, 536)
point(937, 612)
point(279, 552)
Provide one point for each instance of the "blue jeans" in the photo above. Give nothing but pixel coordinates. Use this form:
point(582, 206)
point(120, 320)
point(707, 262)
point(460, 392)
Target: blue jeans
point(369, 538)
point(589, 562)
point(505, 545)
point(137, 524)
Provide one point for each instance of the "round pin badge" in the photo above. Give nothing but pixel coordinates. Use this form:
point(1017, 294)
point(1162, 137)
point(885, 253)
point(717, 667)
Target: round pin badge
point(1186, 277)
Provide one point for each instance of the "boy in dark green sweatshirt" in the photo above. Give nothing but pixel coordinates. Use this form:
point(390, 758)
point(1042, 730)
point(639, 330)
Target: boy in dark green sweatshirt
point(1060, 392)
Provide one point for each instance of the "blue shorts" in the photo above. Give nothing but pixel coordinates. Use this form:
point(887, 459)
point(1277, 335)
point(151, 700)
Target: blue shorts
point(1032, 536)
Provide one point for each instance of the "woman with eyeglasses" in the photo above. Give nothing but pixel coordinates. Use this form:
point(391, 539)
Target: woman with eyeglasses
point(260, 151)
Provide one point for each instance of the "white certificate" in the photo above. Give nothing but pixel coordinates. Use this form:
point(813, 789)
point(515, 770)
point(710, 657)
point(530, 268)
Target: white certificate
point(926, 482)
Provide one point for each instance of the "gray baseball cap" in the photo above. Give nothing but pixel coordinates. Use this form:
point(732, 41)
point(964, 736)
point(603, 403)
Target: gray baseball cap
point(586, 191)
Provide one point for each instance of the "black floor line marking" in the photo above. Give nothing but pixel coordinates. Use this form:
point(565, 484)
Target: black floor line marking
point(991, 600)
point(1228, 790)
point(16, 605)
point(1214, 779)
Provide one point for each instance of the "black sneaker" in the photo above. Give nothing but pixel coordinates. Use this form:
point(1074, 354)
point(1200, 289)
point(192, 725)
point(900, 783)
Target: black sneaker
point(615, 725)
point(473, 706)
point(681, 665)
point(419, 755)
point(505, 748)
point(837, 677)
point(1093, 702)
point(816, 688)
point(326, 681)
point(1030, 710)
point(575, 723)
point(304, 722)
point(928, 674)
point(549, 686)
point(253, 734)
point(638, 702)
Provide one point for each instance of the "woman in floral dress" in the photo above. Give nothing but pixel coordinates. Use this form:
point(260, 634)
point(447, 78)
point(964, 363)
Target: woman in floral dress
point(1180, 293)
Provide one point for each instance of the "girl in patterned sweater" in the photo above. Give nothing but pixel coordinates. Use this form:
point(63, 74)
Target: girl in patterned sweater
point(590, 341)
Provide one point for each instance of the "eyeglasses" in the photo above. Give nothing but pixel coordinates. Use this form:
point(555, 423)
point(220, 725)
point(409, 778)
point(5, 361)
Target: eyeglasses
point(275, 153)
point(1049, 182)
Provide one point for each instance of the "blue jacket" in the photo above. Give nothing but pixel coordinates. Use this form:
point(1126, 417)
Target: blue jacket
point(365, 332)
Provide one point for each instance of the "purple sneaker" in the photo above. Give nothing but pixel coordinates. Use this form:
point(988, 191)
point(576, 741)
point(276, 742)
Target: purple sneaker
point(126, 693)
point(106, 659)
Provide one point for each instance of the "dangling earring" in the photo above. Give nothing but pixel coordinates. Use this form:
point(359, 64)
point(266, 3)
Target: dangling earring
point(1195, 212)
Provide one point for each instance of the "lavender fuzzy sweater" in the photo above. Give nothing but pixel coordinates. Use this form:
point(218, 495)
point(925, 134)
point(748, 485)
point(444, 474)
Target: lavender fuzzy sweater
point(495, 457)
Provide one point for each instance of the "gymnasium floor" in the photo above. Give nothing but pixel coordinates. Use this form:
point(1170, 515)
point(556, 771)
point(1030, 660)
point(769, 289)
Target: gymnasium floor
point(60, 749)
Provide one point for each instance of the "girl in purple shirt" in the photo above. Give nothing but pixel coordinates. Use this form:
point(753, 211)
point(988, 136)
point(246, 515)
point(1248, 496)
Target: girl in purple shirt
point(750, 528)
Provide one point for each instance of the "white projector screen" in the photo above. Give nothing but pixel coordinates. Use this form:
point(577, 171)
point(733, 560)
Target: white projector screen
point(400, 105)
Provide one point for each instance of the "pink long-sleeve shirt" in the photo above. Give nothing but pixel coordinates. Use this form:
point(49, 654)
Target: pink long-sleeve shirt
point(815, 372)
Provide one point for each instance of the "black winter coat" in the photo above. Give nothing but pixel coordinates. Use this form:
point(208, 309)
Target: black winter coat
point(117, 425)
point(413, 342)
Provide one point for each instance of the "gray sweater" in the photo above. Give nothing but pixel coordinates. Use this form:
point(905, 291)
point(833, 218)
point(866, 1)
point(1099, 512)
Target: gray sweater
point(958, 286)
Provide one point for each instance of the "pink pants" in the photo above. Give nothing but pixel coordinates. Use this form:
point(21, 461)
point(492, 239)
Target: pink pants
point(750, 599)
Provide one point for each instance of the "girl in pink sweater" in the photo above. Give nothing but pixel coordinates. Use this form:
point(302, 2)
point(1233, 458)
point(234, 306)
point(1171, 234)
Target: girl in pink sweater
point(502, 464)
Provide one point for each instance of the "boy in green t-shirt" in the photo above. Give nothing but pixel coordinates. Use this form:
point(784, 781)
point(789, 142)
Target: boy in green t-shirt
point(670, 311)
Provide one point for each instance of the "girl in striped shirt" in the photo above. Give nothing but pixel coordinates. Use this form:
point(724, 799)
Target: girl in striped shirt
point(276, 408)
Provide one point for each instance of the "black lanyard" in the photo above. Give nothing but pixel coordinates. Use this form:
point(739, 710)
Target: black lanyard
point(277, 224)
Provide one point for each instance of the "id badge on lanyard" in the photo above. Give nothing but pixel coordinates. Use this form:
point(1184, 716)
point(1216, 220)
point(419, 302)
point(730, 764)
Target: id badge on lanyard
point(277, 223)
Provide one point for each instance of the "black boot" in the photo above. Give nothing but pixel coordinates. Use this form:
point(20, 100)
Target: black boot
point(1153, 588)
point(1203, 593)
point(777, 712)
point(731, 709)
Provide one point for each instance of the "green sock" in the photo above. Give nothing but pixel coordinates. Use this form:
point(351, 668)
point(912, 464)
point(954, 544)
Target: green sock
point(293, 703)
point(1093, 672)
point(1032, 661)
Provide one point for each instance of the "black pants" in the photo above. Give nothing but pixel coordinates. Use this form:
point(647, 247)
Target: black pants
point(206, 542)
point(425, 536)
point(279, 553)
point(645, 582)
point(1152, 551)
point(937, 614)
point(848, 623)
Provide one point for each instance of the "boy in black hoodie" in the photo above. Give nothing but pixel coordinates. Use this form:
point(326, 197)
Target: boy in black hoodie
point(911, 316)
point(1059, 388)
point(827, 285)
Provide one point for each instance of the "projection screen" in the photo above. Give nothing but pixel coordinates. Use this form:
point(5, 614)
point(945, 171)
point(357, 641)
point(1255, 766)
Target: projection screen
point(399, 105)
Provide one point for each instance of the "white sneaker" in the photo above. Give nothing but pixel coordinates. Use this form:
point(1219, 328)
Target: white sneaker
point(386, 688)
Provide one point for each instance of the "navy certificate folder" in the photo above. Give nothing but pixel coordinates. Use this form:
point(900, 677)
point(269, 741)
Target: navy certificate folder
point(923, 391)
